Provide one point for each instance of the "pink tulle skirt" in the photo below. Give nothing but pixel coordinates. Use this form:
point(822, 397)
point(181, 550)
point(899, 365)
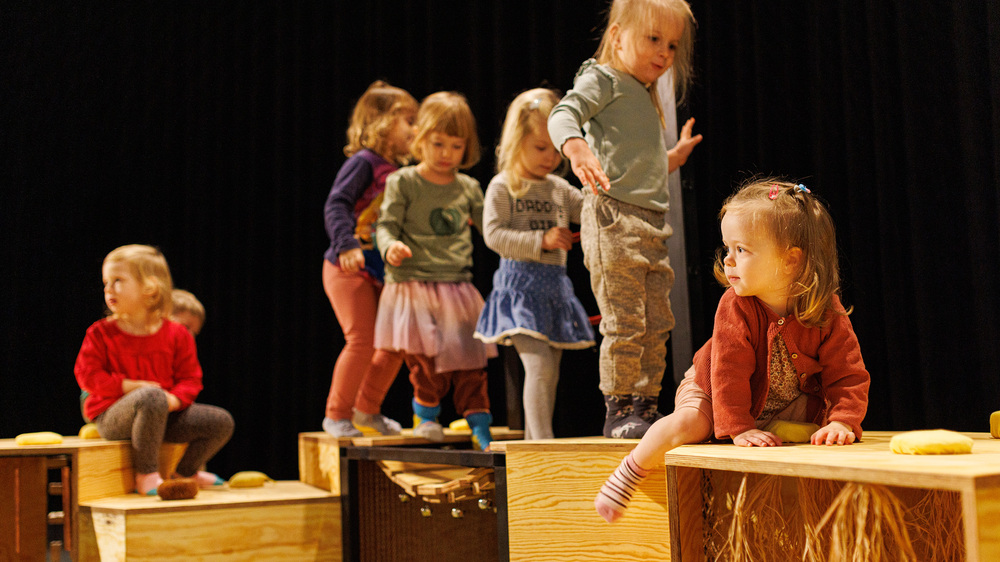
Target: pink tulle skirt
point(435, 319)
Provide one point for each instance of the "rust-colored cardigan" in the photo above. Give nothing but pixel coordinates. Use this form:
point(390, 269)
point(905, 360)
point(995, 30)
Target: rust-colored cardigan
point(733, 367)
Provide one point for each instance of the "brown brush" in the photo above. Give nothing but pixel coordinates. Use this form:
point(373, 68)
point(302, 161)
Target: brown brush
point(178, 489)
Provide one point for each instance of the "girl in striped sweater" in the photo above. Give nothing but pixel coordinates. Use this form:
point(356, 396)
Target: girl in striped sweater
point(526, 218)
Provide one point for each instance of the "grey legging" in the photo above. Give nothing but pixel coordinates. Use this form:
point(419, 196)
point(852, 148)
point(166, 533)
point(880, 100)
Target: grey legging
point(142, 416)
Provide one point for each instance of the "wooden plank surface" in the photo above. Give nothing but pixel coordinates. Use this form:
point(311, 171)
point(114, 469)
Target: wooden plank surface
point(276, 531)
point(551, 487)
point(273, 493)
point(868, 461)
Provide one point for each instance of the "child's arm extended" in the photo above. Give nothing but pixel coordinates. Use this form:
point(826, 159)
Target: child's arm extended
point(390, 223)
point(678, 155)
point(585, 165)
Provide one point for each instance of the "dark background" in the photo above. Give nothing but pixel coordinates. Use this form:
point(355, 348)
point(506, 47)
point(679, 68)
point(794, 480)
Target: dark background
point(214, 132)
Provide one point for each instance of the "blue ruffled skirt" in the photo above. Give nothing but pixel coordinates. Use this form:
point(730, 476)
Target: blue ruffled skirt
point(536, 300)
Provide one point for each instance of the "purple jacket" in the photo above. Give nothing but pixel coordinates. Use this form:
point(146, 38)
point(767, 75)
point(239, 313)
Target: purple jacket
point(352, 206)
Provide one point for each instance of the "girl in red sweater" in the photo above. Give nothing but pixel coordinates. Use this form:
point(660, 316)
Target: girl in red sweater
point(782, 347)
point(141, 372)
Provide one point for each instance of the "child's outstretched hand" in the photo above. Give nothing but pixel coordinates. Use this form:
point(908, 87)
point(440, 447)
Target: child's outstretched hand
point(557, 238)
point(757, 438)
point(396, 253)
point(585, 165)
point(833, 433)
point(678, 155)
point(351, 260)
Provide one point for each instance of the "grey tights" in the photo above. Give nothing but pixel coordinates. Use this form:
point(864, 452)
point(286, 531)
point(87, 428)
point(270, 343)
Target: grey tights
point(142, 416)
point(541, 376)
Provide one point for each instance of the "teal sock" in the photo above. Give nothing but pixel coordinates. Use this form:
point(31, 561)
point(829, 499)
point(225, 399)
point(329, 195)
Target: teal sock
point(479, 423)
point(425, 413)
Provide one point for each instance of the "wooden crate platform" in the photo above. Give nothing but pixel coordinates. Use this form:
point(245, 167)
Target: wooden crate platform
point(969, 484)
point(551, 485)
point(279, 521)
point(319, 452)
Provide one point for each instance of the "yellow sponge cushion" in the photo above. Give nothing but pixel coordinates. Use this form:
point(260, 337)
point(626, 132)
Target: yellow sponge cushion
point(249, 479)
point(995, 425)
point(792, 431)
point(38, 438)
point(89, 431)
point(931, 442)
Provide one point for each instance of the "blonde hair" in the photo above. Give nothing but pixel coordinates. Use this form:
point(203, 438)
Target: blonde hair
point(149, 266)
point(639, 14)
point(375, 115)
point(185, 301)
point(447, 113)
point(528, 113)
point(792, 217)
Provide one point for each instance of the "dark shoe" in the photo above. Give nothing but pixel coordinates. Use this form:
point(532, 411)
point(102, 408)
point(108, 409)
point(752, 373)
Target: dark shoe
point(646, 407)
point(621, 421)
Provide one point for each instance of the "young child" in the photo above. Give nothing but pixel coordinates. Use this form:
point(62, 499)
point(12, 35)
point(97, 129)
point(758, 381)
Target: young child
point(142, 374)
point(610, 127)
point(378, 140)
point(187, 311)
point(782, 347)
point(526, 216)
point(429, 307)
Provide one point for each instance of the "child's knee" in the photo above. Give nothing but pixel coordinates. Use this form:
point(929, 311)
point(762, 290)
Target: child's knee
point(152, 399)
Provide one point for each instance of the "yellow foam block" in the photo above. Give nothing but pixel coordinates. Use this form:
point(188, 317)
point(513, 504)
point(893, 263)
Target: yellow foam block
point(461, 424)
point(995, 425)
point(89, 431)
point(249, 479)
point(931, 442)
point(792, 431)
point(38, 438)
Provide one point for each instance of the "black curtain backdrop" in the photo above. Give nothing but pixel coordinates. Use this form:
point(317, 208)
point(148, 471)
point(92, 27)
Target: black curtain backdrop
point(214, 132)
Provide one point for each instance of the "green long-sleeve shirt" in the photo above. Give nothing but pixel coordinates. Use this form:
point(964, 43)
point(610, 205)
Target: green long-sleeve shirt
point(615, 114)
point(433, 220)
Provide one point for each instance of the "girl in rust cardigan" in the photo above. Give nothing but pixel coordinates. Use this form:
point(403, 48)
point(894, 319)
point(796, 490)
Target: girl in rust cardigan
point(782, 347)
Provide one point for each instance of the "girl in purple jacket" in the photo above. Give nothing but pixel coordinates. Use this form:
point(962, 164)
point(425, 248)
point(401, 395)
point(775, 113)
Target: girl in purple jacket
point(378, 142)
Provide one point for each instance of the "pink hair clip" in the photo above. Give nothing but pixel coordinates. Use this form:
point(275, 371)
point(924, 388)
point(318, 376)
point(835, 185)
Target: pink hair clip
point(773, 194)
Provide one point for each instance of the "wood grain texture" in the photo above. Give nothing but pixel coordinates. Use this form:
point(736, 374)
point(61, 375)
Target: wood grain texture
point(975, 477)
point(280, 521)
point(550, 504)
point(869, 461)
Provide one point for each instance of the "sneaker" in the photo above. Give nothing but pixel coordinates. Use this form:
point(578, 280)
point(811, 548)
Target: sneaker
point(430, 430)
point(378, 422)
point(341, 428)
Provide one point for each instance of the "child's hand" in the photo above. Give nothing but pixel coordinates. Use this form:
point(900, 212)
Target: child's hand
point(128, 385)
point(557, 237)
point(833, 433)
point(351, 260)
point(757, 438)
point(396, 253)
point(678, 155)
point(173, 403)
point(585, 165)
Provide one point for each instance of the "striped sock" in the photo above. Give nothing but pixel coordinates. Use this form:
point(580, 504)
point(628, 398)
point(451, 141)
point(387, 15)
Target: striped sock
point(617, 490)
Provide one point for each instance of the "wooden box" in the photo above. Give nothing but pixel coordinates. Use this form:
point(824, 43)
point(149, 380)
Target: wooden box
point(551, 485)
point(941, 506)
point(319, 452)
point(279, 521)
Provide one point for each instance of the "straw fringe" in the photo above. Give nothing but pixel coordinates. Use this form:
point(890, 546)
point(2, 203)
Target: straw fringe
point(757, 517)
